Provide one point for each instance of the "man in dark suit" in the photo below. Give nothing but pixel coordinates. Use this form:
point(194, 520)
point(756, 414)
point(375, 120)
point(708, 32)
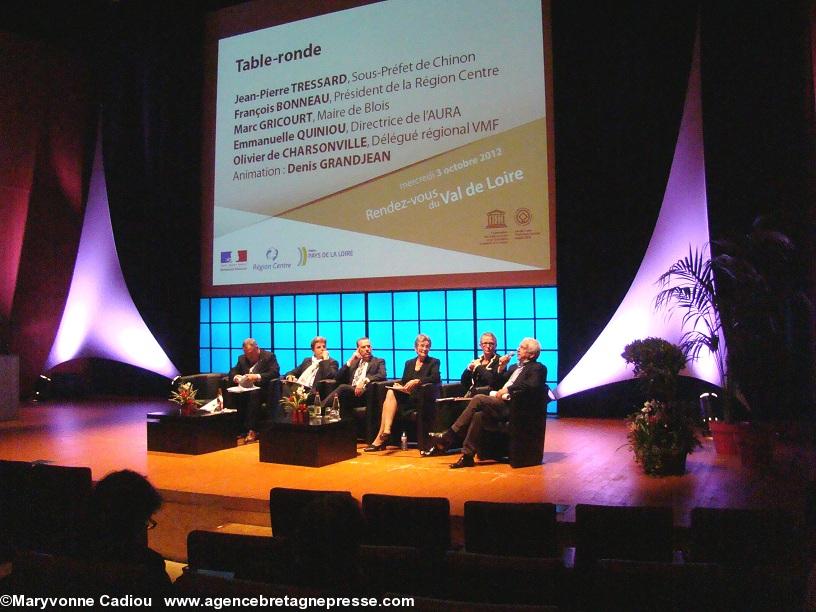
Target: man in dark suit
point(255, 368)
point(355, 375)
point(487, 411)
point(313, 369)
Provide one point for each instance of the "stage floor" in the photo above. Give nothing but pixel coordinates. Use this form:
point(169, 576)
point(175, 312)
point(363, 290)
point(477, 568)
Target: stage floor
point(584, 462)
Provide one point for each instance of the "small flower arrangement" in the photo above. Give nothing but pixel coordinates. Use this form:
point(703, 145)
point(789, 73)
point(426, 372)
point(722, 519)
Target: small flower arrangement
point(661, 435)
point(296, 399)
point(185, 397)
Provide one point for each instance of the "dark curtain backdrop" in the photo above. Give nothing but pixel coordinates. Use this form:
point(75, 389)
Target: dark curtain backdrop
point(620, 75)
point(151, 96)
point(759, 133)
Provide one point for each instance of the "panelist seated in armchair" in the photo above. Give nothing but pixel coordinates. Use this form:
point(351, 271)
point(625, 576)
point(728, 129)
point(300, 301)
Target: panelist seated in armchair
point(483, 372)
point(487, 412)
point(313, 369)
point(354, 377)
point(417, 372)
point(255, 368)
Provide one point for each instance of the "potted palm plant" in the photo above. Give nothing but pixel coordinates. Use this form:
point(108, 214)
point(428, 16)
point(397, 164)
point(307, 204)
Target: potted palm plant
point(741, 295)
point(662, 433)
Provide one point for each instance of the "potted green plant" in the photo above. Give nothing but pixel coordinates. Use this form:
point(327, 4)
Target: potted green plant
point(743, 295)
point(662, 433)
point(688, 285)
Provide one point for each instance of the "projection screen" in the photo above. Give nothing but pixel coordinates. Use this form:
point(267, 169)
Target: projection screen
point(401, 143)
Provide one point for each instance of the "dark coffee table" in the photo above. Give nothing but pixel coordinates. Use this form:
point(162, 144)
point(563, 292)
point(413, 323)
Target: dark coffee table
point(191, 435)
point(313, 445)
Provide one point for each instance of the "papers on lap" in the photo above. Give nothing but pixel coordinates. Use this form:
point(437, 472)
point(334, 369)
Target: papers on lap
point(398, 387)
point(240, 389)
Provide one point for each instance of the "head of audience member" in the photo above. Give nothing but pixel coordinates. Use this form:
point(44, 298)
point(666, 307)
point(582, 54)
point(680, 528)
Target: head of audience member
point(318, 346)
point(364, 348)
point(121, 509)
point(528, 350)
point(488, 343)
point(251, 349)
point(326, 544)
point(422, 346)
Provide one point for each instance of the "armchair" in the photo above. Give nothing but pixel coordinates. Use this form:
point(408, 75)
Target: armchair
point(361, 414)
point(415, 421)
point(521, 438)
point(205, 383)
point(274, 392)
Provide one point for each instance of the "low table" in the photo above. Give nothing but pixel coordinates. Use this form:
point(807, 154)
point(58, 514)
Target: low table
point(191, 435)
point(314, 445)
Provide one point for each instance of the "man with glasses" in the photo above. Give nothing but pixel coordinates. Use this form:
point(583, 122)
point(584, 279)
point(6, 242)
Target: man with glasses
point(481, 375)
point(484, 371)
point(354, 377)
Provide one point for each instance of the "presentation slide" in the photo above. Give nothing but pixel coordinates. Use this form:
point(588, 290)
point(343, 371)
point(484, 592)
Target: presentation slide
point(406, 138)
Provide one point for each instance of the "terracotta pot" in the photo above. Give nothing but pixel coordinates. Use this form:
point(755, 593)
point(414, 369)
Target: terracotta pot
point(726, 436)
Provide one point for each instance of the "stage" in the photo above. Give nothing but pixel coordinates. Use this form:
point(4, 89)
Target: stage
point(585, 461)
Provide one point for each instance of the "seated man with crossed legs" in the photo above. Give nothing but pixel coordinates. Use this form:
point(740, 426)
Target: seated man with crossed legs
point(488, 411)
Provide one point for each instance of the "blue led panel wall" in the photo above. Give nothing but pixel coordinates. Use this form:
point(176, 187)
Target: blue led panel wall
point(454, 319)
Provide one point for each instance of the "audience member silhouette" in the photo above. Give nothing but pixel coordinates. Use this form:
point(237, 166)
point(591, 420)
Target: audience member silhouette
point(326, 546)
point(120, 512)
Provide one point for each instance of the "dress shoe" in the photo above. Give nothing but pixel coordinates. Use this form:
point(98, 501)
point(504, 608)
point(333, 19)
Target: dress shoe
point(444, 441)
point(374, 448)
point(251, 437)
point(464, 461)
point(434, 451)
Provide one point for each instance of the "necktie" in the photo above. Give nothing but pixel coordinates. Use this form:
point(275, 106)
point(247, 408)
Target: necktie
point(359, 373)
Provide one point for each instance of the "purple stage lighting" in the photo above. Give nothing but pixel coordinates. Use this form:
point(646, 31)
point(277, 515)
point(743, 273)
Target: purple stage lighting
point(100, 318)
point(682, 223)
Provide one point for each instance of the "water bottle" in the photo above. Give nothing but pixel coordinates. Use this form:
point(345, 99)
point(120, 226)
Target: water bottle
point(219, 401)
point(317, 410)
point(335, 409)
point(404, 441)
